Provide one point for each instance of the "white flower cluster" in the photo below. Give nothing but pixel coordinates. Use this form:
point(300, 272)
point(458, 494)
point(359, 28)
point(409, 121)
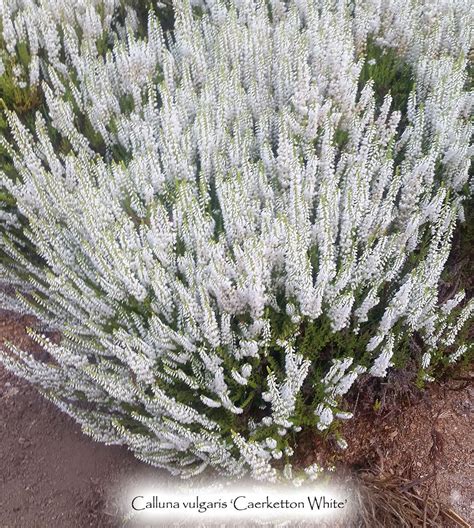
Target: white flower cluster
point(336, 383)
point(225, 195)
point(41, 25)
point(283, 396)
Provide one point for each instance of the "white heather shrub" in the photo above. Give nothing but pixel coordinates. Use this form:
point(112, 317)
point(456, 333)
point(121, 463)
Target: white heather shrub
point(32, 30)
point(41, 40)
point(248, 225)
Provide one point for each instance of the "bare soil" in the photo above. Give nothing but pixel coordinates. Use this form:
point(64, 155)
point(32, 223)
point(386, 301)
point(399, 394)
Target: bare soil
point(430, 442)
point(427, 440)
point(52, 474)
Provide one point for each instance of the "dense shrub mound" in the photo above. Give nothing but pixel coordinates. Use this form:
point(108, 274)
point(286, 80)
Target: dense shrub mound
point(231, 221)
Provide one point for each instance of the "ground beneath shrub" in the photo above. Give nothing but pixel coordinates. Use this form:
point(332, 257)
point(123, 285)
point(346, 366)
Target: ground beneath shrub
point(431, 442)
point(51, 474)
point(427, 441)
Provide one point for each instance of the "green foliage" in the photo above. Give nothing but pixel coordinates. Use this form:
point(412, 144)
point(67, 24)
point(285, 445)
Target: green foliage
point(390, 73)
point(22, 100)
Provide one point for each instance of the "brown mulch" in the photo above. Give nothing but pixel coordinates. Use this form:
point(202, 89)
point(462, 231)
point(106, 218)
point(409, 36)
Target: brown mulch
point(425, 443)
point(430, 441)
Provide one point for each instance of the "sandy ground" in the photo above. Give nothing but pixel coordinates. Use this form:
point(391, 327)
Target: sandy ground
point(53, 475)
point(50, 473)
